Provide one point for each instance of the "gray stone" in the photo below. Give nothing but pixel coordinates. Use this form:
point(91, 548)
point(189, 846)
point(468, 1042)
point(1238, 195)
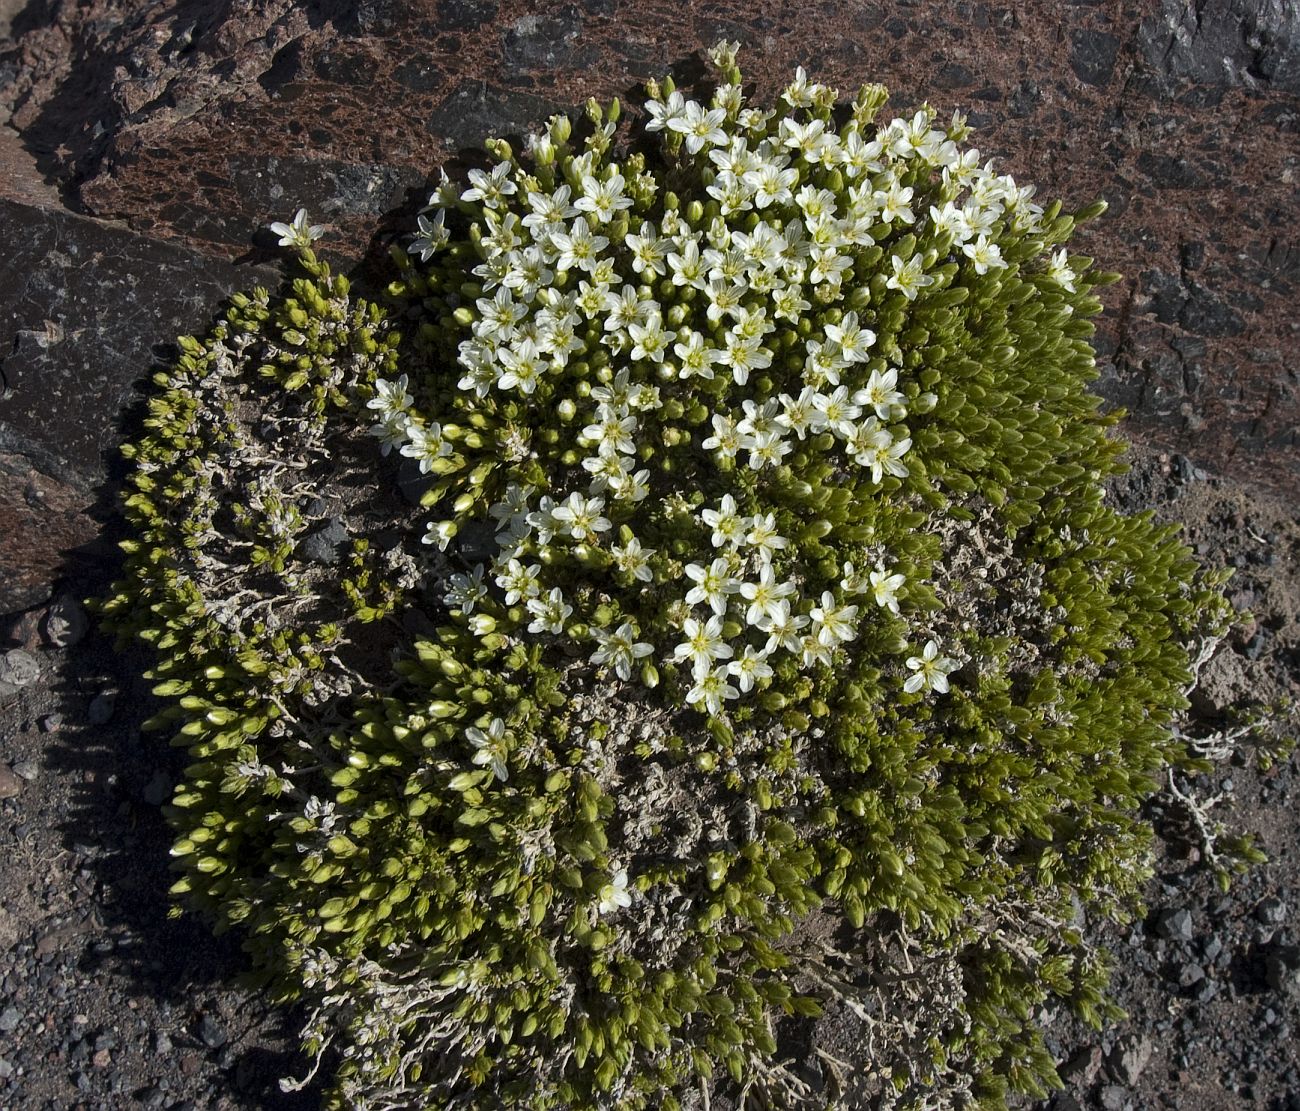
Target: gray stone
point(6, 1069)
point(29, 770)
point(18, 669)
point(1271, 912)
point(1282, 969)
point(100, 710)
point(465, 15)
point(325, 544)
point(1175, 924)
point(10, 1019)
point(1129, 1058)
point(212, 1033)
point(65, 397)
point(65, 623)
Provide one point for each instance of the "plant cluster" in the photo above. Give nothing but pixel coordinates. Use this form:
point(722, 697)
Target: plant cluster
point(762, 644)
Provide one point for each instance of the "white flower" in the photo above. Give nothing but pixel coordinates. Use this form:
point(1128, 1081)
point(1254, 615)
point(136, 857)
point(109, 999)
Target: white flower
point(700, 127)
point(634, 560)
point(390, 397)
point(703, 644)
point(490, 188)
point(983, 254)
point(299, 233)
point(832, 623)
point(696, 359)
point(782, 627)
point(465, 591)
point(762, 535)
point(749, 668)
point(620, 649)
point(432, 238)
point(713, 584)
point(663, 113)
point(439, 534)
point(880, 393)
point(712, 689)
point(580, 517)
point(425, 444)
point(491, 746)
point(1059, 271)
point(725, 439)
point(765, 596)
point(854, 341)
point(885, 587)
point(520, 582)
point(578, 248)
point(549, 613)
point(726, 522)
point(602, 198)
point(614, 895)
point(909, 277)
point(929, 670)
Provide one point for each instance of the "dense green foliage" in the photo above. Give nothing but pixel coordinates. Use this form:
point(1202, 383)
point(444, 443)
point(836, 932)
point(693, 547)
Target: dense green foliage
point(569, 795)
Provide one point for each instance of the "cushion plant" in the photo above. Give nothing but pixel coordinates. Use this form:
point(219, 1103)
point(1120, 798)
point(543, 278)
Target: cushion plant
point(683, 605)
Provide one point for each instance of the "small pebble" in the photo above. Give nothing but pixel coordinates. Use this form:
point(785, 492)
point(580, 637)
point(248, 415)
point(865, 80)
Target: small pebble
point(10, 784)
point(211, 1032)
point(10, 1019)
point(1271, 912)
point(29, 770)
point(1175, 924)
point(100, 710)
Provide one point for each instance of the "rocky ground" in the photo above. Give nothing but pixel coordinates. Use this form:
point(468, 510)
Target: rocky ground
point(148, 142)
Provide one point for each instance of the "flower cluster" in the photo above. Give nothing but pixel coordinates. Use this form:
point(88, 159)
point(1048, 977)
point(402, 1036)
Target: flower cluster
point(729, 339)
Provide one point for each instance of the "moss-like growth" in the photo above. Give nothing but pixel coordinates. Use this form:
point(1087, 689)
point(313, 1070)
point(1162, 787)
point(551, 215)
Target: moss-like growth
point(767, 645)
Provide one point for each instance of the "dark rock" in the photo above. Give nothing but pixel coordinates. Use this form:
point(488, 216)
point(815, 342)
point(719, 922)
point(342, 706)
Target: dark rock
point(474, 110)
point(542, 41)
point(1130, 1056)
point(1225, 44)
point(65, 395)
point(100, 710)
point(1092, 56)
point(1206, 314)
point(1271, 912)
point(28, 770)
point(465, 15)
point(325, 544)
point(411, 482)
point(1282, 969)
point(953, 75)
point(159, 788)
point(211, 1033)
point(1189, 974)
point(418, 75)
point(1083, 1068)
point(1175, 924)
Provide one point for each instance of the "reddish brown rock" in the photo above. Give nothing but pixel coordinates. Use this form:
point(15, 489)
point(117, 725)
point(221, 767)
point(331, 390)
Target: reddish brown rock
point(41, 520)
point(202, 123)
